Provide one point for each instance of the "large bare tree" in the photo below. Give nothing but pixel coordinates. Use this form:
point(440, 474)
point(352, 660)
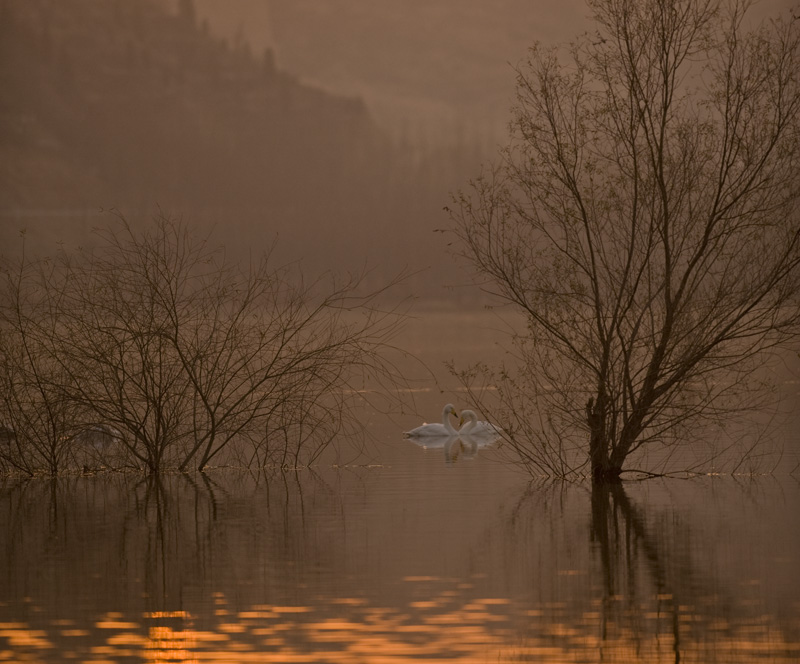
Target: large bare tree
point(644, 218)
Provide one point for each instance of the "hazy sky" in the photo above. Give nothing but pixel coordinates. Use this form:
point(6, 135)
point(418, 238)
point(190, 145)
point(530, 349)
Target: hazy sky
point(440, 63)
point(416, 62)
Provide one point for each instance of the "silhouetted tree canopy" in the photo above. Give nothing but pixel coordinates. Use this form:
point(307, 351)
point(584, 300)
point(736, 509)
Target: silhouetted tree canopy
point(644, 218)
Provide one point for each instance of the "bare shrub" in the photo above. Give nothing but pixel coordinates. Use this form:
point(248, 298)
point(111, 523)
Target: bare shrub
point(184, 357)
point(36, 419)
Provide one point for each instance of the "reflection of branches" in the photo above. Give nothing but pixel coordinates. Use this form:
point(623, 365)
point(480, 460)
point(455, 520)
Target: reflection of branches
point(151, 535)
point(620, 532)
point(543, 492)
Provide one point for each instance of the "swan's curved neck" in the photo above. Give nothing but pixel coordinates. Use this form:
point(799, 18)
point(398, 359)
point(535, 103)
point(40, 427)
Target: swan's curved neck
point(446, 421)
point(470, 418)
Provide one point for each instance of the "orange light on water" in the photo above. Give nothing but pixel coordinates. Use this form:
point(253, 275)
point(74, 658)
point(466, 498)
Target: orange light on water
point(164, 645)
point(342, 631)
point(19, 636)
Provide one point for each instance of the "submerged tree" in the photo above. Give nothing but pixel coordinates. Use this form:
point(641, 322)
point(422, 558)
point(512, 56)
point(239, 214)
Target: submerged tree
point(157, 344)
point(36, 421)
point(644, 218)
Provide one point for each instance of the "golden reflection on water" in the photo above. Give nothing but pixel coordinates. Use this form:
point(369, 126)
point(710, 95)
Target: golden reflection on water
point(350, 630)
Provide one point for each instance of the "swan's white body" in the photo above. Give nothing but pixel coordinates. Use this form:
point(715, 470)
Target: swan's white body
point(475, 427)
point(436, 429)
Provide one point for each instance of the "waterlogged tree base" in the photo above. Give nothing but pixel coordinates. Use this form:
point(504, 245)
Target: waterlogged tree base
point(607, 475)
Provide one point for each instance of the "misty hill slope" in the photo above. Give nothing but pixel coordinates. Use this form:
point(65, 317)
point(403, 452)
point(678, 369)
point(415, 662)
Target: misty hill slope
point(118, 104)
point(137, 104)
point(445, 66)
point(416, 59)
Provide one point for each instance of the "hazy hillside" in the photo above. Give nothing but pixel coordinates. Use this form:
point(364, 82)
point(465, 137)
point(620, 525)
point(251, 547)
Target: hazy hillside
point(413, 60)
point(442, 66)
point(118, 104)
point(148, 105)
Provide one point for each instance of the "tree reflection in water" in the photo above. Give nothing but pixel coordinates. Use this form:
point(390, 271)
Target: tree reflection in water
point(622, 540)
point(662, 587)
point(375, 564)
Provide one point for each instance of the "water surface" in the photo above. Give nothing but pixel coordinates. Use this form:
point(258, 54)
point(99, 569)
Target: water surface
point(401, 554)
point(428, 558)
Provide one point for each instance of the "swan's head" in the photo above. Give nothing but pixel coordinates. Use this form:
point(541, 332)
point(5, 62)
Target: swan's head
point(467, 416)
point(450, 409)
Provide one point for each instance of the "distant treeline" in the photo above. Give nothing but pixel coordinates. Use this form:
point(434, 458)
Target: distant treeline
point(118, 104)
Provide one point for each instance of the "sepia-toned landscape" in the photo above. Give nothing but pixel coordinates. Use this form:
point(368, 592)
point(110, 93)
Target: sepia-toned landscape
point(371, 332)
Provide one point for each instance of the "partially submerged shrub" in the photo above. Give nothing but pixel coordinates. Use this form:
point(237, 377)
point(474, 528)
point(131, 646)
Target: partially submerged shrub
point(155, 347)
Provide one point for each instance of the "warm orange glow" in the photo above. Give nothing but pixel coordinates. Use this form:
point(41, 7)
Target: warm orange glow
point(19, 637)
point(345, 630)
point(115, 624)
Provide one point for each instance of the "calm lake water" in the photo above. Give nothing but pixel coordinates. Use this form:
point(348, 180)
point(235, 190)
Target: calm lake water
point(402, 554)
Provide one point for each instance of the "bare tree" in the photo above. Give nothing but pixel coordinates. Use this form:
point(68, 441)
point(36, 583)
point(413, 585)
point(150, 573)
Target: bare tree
point(175, 355)
point(37, 424)
point(644, 219)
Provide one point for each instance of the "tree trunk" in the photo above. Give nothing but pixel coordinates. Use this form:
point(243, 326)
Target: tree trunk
point(599, 444)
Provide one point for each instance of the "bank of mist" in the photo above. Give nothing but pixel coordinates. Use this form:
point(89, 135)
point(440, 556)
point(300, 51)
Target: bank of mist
point(125, 106)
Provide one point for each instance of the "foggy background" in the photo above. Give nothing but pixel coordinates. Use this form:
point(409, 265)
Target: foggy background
point(336, 128)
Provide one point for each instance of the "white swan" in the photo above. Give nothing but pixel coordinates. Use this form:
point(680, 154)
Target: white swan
point(436, 429)
point(476, 427)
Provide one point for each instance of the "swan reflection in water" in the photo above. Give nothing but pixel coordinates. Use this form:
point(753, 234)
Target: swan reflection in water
point(471, 436)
